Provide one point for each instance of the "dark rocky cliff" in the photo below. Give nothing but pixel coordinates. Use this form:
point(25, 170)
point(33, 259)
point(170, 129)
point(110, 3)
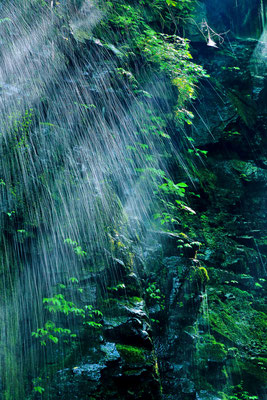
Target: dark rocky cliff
point(214, 335)
point(208, 330)
point(180, 311)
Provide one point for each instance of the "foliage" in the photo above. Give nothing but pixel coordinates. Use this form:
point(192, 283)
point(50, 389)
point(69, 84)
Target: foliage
point(131, 354)
point(171, 54)
point(76, 248)
point(198, 152)
point(153, 125)
point(37, 388)
point(203, 274)
point(51, 333)
point(163, 13)
point(185, 6)
point(19, 127)
point(116, 288)
point(240, 394)
point(209, 349)
point(172, 206)
point(136, 29)
point(153, 292)
point(59, 305)
point(154, 295)
point(169, 187)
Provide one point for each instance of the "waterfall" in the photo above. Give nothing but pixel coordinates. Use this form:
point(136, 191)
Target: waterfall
point(75, 156)
point(263, 14)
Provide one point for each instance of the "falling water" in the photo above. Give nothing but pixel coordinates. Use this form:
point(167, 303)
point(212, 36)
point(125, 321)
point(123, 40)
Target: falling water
point(68, 166)
point(263, 14)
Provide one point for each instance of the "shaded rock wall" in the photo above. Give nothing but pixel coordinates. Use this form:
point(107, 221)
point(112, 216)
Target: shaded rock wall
point(207, 345)
point(203, 323)
point(243, 18)
point(183, 315)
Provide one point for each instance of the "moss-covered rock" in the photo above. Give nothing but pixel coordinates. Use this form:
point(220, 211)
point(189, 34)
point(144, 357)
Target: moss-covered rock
point(131, 354)
point(211, 350)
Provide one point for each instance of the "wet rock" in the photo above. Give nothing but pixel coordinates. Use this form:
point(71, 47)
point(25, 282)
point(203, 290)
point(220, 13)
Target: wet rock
point(111, 352)
point(92, 372)
point(187, 386)
point(174, 264)
point(78, 382)
point(136, 313)
point(204, 395)
point(133, 331)
point(242, 21)
point(132, 283)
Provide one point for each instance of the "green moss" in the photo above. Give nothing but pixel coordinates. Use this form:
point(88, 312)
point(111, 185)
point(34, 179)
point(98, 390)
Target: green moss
point(203, 274)
point(236, 320)
point(211, 350)
point(130, 372)
point(256, 368)
point(135, 300)
point(131, 354)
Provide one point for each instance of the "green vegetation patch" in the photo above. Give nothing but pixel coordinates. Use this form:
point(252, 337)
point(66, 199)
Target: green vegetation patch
point(212, 350)
point(131, 354)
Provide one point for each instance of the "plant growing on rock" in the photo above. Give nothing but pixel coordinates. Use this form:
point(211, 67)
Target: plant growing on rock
point(76, 248)
point(154, 295)
point(59, 305)
point(171, 54)
point(165, 52)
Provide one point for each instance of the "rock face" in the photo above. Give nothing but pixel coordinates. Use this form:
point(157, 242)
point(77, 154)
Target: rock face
point(205, 301)
point(181, 314)
point(119, 362)
point(244, 18)
point(207, 329)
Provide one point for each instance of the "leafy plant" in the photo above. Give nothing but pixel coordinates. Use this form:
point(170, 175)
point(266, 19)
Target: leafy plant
point(11, 213)
point(184, 6)
point(57, 305)
point(168, 53)
point(240, 394)
point(19, 127)
point(170, 187)
point(116, 288)
point(76, 248)
point(198, 152)
point(154, 295)
point(37, 388)
point(233, 133)
point(173, 207)
point(171, 54)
